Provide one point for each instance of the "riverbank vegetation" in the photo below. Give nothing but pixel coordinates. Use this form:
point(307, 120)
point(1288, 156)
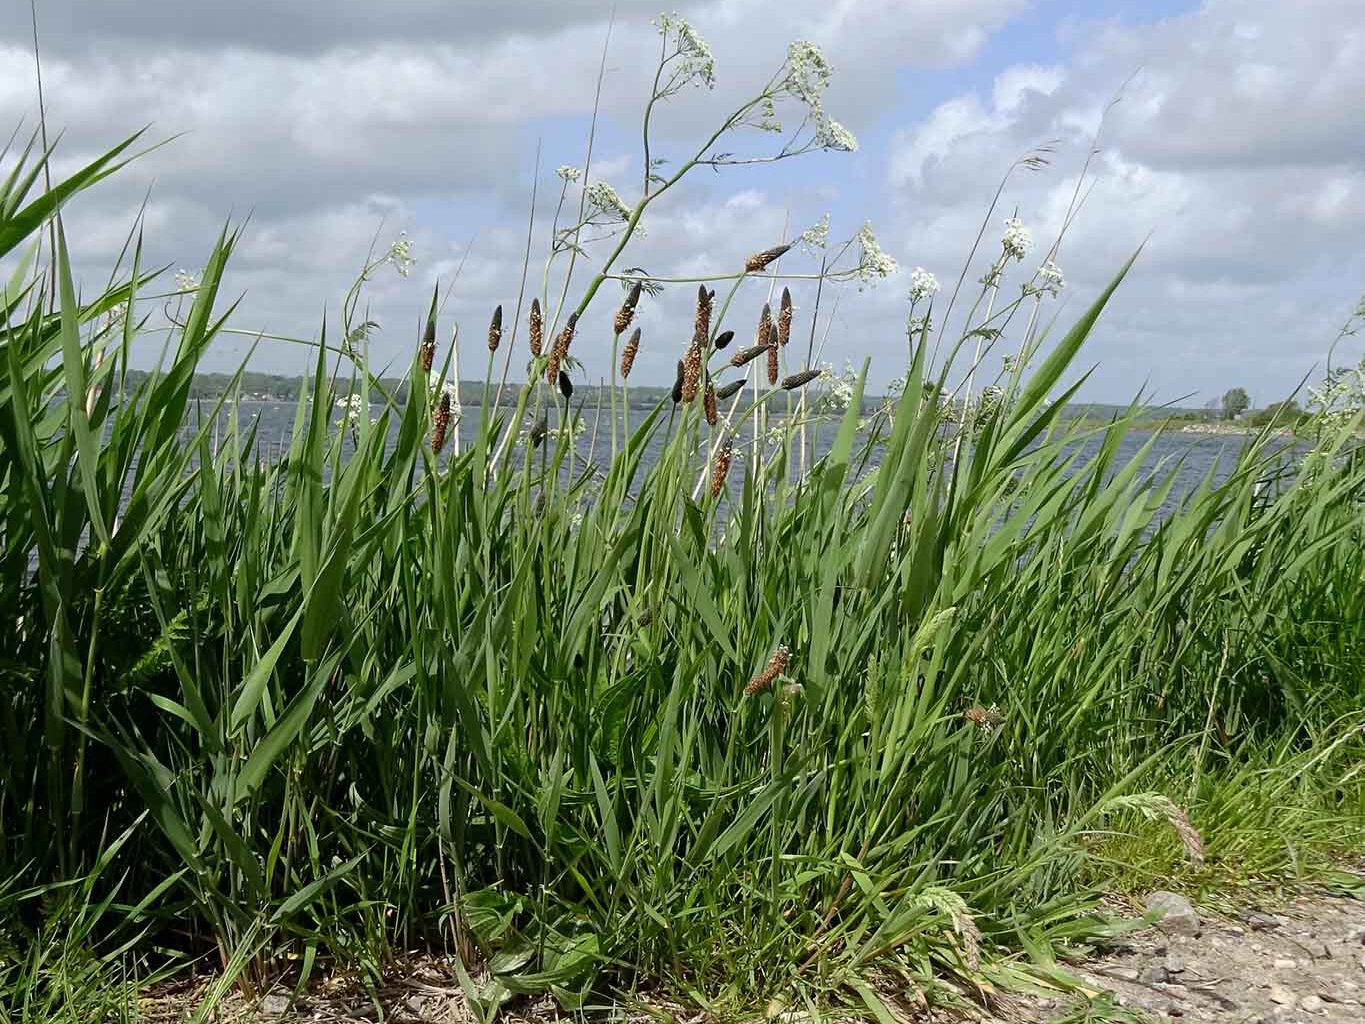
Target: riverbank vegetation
point(740, 727)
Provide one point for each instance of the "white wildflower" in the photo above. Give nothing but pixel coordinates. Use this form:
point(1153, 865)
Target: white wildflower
point(833, 135)
point(923, 285)
point(568, 173)
point(603, 197)
point(817, 235)
point(768, 121)
point(1050, 278)
point(116, 316)
point(808, 73)
point(696, 62)
point(1017, 241)
point(841, 386)
point(355, 407)
point(185, 281)
point(873, 262)
point(918, 325)
point(400, 254)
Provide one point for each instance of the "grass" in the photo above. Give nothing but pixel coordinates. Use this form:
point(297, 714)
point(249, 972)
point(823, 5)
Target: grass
point(279, 718)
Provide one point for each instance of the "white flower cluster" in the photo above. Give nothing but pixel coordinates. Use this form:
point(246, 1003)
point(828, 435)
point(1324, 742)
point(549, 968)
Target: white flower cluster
point(603, 197)
point(1050, 279)
point(116, 316)
point(355, 407)
point(697, 65)
point(568, 173)
point(400, 254)
point(1017, 241)
point(923, 285)
point(808, 73)
point(872, 261)
point(833, 135)
point(816, 236)
point(917, 325)
point(185, 281)
point(841, 386)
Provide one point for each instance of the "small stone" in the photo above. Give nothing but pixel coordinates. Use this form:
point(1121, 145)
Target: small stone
point(1281, 996)
point(1235, 930)
point(1176, 915)
point(1261, 922)
point(275, 1005)
point(1175, 963)
point(1154, 974)
point(1286, 964)
point(1311, 1004)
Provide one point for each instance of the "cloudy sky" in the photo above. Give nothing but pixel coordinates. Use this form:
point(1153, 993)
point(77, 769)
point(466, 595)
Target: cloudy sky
point(1234, 149)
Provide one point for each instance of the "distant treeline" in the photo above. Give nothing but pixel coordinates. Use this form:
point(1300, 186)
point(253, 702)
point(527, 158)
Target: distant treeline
point(286, 388)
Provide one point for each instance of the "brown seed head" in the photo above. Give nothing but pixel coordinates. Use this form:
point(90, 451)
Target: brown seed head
point(701, 328)
point(565, 385)
point(495, 329)
point(708, 401)
point(720, 467)
point(728, 390)
point(426, 353)
point(537, 331)
point(628, 355)
point(784, 318)
point(626, 313)
point(678, 383)
point(759, 260)
point(724, 338)
point(560, 349)
point(764, 335)
point(691, 372)
point(773, 370)
point(441, 424)
point(799, 380)
point(777, 664)
point(747, 355)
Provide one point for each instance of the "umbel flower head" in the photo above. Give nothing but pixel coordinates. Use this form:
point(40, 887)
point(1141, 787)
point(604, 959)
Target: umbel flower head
point(1017, 240)
point(833, 135)
point(873, 262)
point(923, 285)
point(607, 200)
point(1050, 279)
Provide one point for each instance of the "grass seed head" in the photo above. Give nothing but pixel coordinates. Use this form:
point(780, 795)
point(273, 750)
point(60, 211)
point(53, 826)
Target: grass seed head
point(536, 334)
point(677, 393)
point(701, 328)
point(565, 385)
point(628, 355)
point(720, 467)
point(784, 318)
point(708, 399)
point(495, 329)
point(691, 372)
point(560, 349)
point(796, 380)
point(728, 390)
point(747, 355)
point(626, 313)
point(427, 352)
point(773, 370)
point(441, 424)
point(759, 260)
point(764, 334)
point(777, 664)
point(724, 338)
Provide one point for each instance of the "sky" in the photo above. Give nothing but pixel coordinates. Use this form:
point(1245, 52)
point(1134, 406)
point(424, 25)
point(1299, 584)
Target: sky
point(1223, 138)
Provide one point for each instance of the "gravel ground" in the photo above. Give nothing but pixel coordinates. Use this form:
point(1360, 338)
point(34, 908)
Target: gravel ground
point(1304, 962)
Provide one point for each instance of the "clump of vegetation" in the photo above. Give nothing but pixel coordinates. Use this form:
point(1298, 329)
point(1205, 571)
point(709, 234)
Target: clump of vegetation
point(741, 724)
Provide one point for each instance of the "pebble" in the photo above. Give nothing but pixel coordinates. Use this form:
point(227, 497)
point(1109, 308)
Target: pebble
point(1175, 963)
point(1286, 964)
point(1282, 996)
point(1261, 922)
point(1154, 974)
point(1311, 1004)
point(274, 1005)
point(1177, 914)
